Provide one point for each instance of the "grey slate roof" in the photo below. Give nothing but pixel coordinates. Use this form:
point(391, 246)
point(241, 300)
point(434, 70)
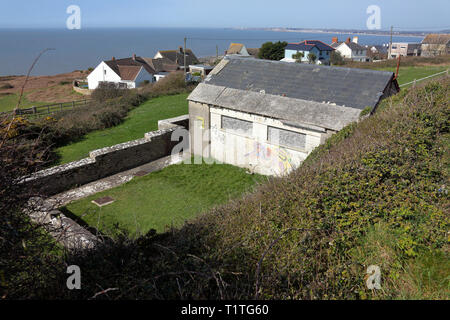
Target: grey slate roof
point(350, 87)
point(293, 112)
point(307, 95)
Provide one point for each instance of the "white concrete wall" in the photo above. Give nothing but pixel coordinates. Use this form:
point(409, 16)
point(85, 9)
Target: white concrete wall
point(254, 151)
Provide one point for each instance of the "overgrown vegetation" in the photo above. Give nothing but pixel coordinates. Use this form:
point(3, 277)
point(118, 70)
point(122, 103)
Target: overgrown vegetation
point(272, 50)
point(375, 194)
point(108, 108)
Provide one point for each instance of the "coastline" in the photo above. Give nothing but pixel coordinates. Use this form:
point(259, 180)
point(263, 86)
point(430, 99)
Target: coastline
point(325, 31)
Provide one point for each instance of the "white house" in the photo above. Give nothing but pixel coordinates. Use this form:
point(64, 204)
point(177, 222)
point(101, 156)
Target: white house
point(129, 73)
point(350, 49)
point(268, 116)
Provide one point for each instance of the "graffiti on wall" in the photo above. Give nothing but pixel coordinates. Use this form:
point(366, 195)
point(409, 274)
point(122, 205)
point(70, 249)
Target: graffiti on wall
point(267, 155)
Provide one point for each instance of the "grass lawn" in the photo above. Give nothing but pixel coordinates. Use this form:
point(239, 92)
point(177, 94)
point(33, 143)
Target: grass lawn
point(139, 121)
point(9, 102)
point(164, 198)
point(407, 74)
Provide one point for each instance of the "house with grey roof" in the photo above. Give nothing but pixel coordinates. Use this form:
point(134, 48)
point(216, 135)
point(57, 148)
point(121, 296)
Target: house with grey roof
point(435, 45)
point(320, 50)
point(267, 116)
point(350, 50)
point(178, 56)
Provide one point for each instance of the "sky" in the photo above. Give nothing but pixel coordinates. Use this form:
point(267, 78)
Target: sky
point(345, 14)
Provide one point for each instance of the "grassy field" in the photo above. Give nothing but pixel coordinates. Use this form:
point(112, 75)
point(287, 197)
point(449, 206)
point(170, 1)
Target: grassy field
point(139, 121)
point(408, 74)
point(8, 102)
point(165, 198)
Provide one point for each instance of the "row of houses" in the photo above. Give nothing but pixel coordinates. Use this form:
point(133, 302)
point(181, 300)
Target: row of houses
point(350, 49)
point(432, 45)
point(131, 72)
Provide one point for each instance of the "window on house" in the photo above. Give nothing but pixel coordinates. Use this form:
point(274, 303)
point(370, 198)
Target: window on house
point(286, 138)
point(237, 125)
point(104, 71)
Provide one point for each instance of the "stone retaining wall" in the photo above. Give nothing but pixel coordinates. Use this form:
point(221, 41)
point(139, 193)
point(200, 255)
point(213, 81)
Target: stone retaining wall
point(103, 162)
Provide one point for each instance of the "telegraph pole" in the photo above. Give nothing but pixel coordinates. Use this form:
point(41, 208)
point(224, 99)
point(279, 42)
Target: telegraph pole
point(184, 57)
point(390, 45)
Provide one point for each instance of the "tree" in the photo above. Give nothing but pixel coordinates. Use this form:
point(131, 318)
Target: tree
point(298, 56)
point(336, 58)
point(272, 51)
point(312, 58)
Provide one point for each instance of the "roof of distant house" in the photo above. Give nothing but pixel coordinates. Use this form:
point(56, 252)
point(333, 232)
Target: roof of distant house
point(307, 45)
point(323, 96)
point(436, 39)
point(129, 68)
point(161, 64)
point(177, 56)
point(235, 48)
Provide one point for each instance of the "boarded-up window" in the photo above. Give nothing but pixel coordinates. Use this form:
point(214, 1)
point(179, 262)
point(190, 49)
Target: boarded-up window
point(237, 125)
point(286, 138)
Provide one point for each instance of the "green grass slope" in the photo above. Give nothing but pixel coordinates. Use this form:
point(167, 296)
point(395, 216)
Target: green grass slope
point(139, 121)
point(375, 194)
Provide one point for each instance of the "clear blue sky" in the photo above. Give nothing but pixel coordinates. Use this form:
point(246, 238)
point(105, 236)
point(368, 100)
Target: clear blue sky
point(417, 14)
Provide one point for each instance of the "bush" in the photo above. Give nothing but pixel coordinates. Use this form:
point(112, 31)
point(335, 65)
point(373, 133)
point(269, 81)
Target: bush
point(6, 86)
point(173, 83)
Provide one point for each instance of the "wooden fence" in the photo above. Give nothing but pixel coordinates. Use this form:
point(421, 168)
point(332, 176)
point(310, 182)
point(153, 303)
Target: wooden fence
point(50, 108)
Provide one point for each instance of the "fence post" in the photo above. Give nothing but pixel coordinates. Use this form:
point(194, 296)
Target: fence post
point(73, 104)
point(414, 83)
point(61, 106)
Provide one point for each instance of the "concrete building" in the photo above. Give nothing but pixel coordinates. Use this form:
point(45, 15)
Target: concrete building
point(435, 45)
point(350, 50)
point(321, 50)
point(404, 49)
point(269, 115)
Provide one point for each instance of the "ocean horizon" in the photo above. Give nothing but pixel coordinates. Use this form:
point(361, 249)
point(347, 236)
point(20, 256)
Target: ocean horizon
point(85, 48)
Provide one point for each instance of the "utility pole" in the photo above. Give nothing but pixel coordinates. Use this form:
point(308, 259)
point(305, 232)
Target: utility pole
point(390, 45)
point(184, 57)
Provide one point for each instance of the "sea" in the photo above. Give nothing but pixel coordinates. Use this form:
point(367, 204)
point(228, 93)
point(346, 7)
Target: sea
point(85, 48)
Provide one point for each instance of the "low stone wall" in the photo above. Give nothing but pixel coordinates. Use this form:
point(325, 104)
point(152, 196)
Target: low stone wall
point(103, 163)
point(83, 91)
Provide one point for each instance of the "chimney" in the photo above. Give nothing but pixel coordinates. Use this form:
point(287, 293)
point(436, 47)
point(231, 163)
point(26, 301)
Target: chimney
point(134, 56)
point(334, 40)
point(355, 39)
point(348, 40)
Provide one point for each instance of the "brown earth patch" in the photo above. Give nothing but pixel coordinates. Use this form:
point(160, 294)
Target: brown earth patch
point(57, 88)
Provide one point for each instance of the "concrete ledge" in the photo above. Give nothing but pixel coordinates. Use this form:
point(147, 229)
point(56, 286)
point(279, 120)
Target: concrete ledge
point(173, 122)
